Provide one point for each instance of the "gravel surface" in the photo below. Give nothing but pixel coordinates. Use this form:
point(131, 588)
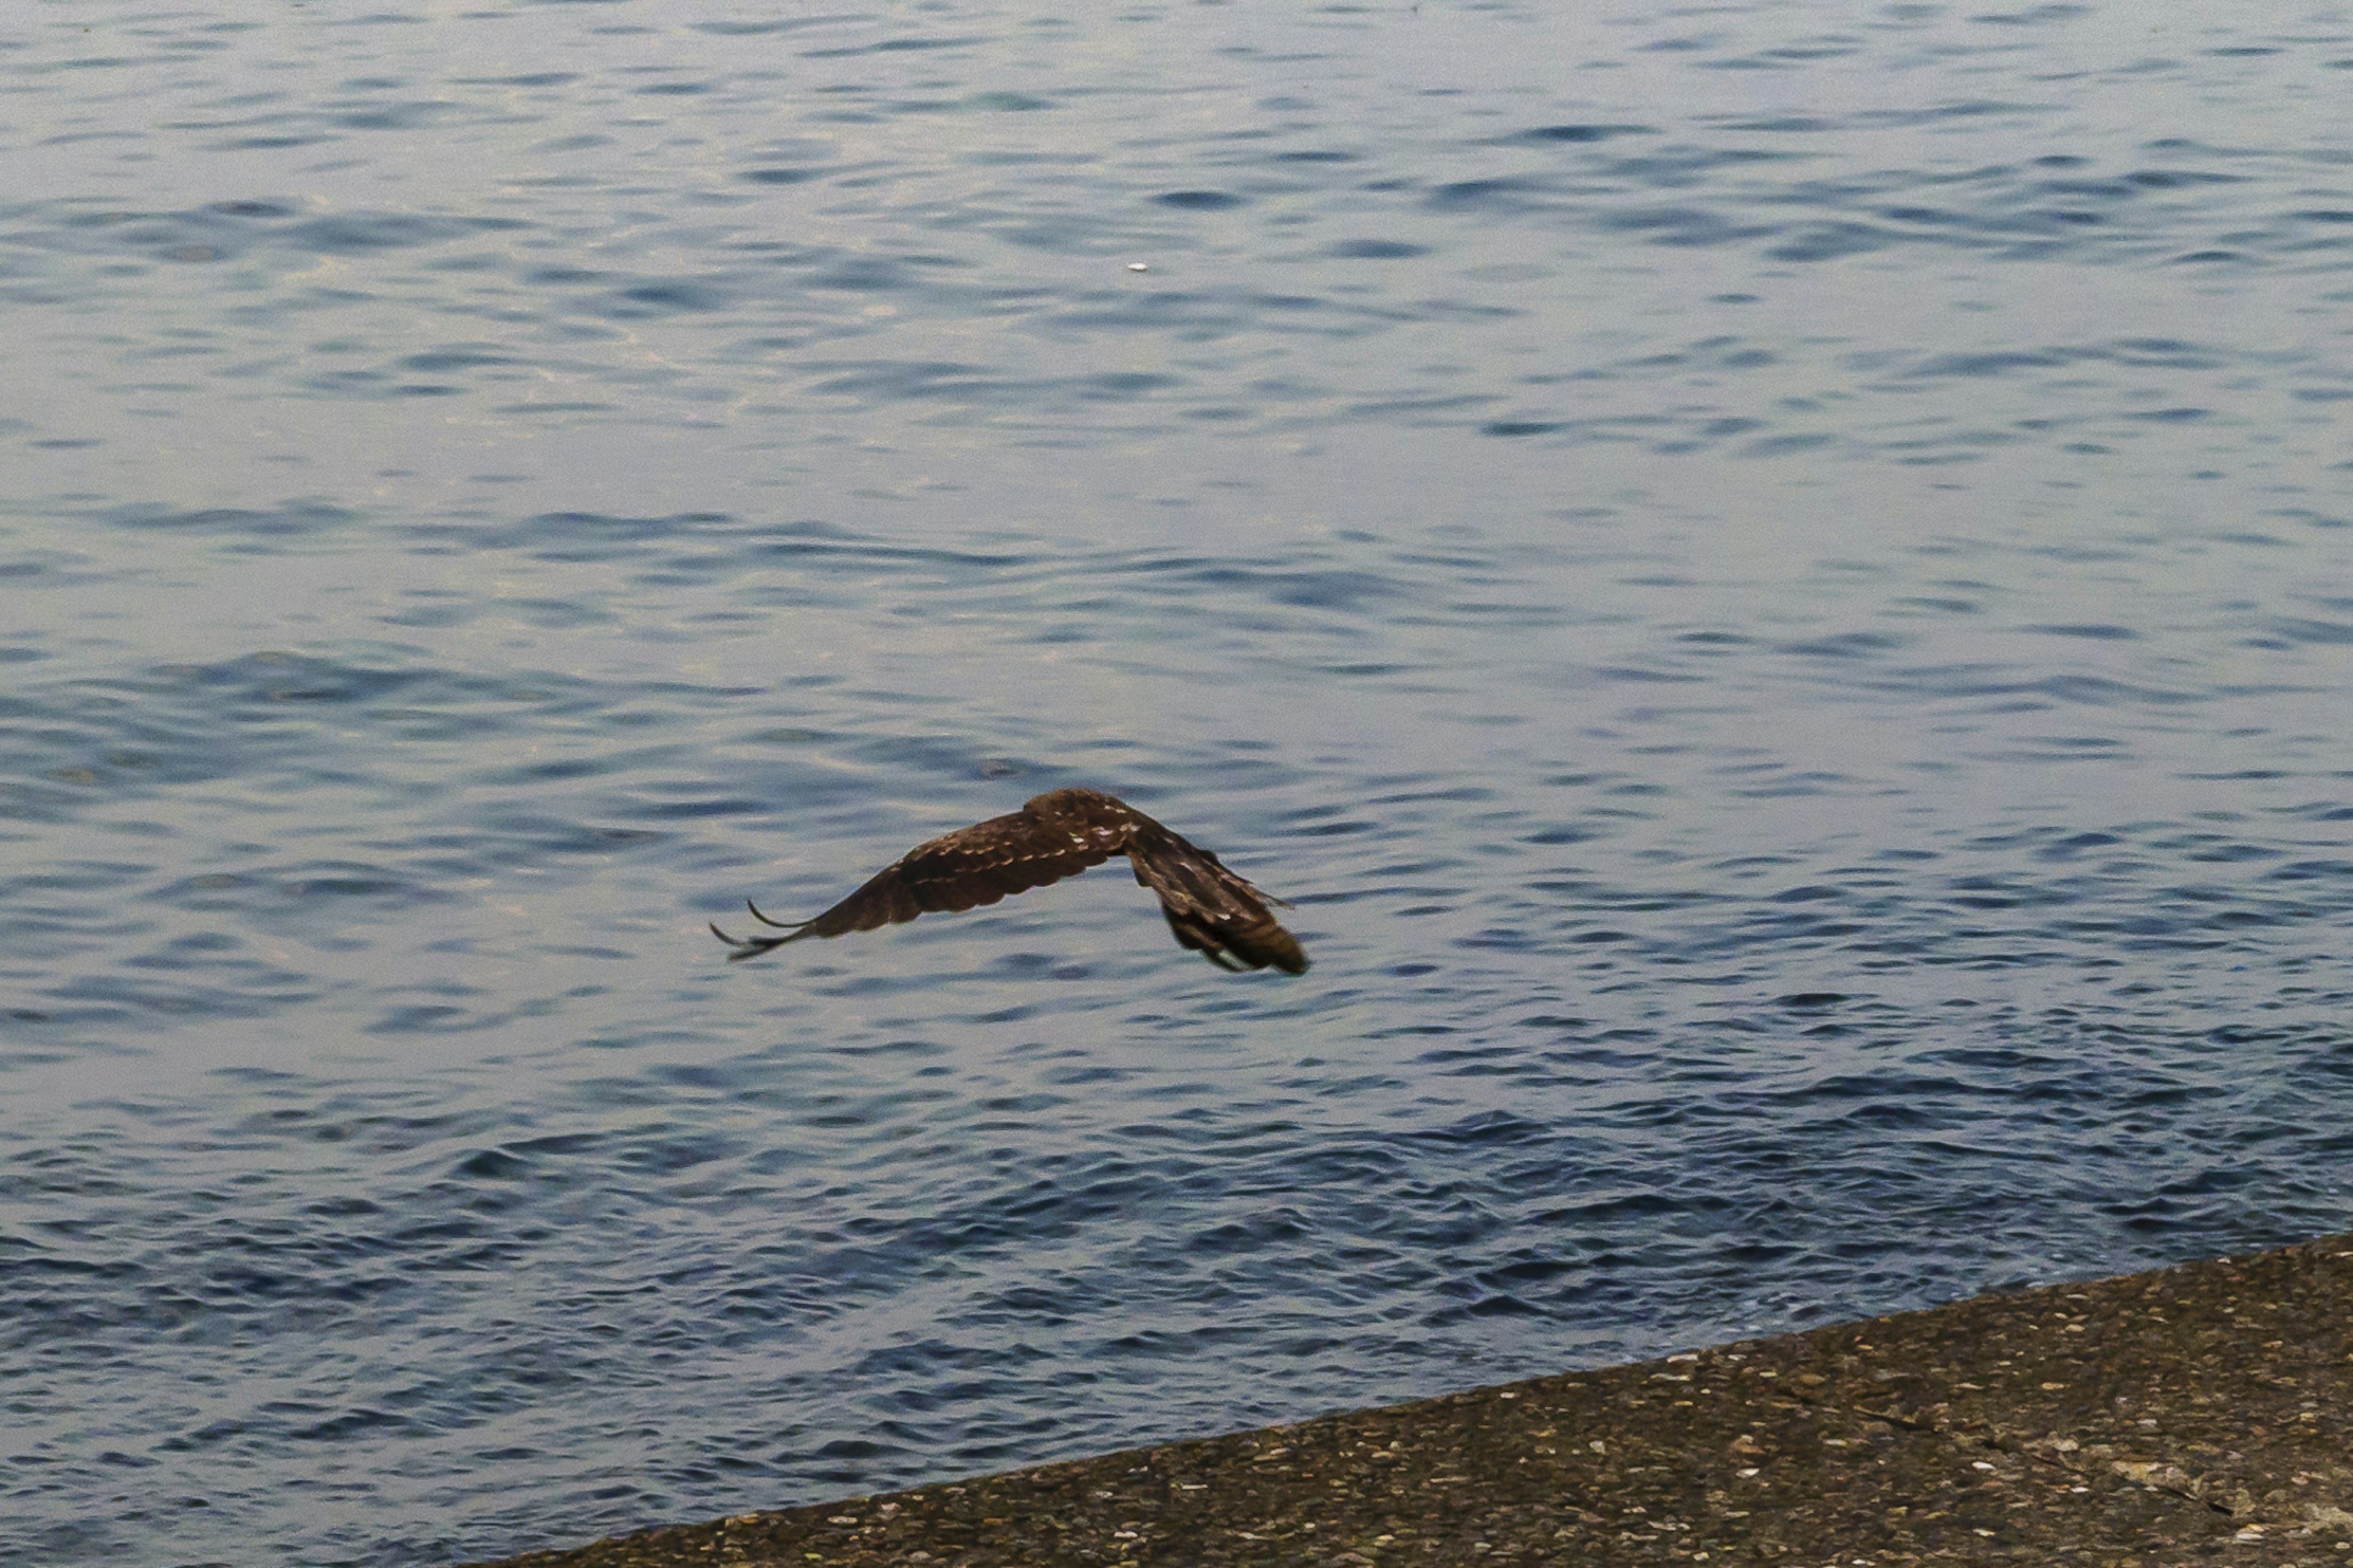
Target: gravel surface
point(2194, 1412)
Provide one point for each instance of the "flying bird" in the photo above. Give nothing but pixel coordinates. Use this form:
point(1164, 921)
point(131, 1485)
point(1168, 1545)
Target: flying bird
point(1213, 911)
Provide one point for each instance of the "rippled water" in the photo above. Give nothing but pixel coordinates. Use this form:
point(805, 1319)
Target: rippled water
point(1773, 579)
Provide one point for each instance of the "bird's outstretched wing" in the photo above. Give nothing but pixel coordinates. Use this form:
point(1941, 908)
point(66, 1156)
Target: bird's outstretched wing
point(1212, 910)
point(957, 871)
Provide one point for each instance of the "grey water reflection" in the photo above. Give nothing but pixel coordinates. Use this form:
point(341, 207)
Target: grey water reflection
point(1771, 582)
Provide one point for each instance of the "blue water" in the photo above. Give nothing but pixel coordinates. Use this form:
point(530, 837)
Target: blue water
point(1775, 581)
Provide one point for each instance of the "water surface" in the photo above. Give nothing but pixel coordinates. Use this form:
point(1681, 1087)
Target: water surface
point(1771, 579)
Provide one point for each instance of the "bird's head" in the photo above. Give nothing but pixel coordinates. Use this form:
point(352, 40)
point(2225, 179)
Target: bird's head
point(1066, 807)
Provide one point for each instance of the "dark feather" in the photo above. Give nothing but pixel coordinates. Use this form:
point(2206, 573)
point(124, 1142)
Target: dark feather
point(1212, 910)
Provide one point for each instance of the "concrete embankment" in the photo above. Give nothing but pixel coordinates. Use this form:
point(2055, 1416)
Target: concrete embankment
point(2194, 1413)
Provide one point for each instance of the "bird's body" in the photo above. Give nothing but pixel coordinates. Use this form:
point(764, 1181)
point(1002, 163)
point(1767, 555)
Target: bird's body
point(1212, 910)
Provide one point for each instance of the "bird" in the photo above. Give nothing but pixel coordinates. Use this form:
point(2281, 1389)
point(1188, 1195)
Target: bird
point(1214, 911)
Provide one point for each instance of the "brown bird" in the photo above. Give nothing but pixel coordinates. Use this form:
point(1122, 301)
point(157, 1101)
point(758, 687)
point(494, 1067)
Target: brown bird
point(1212, 910)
